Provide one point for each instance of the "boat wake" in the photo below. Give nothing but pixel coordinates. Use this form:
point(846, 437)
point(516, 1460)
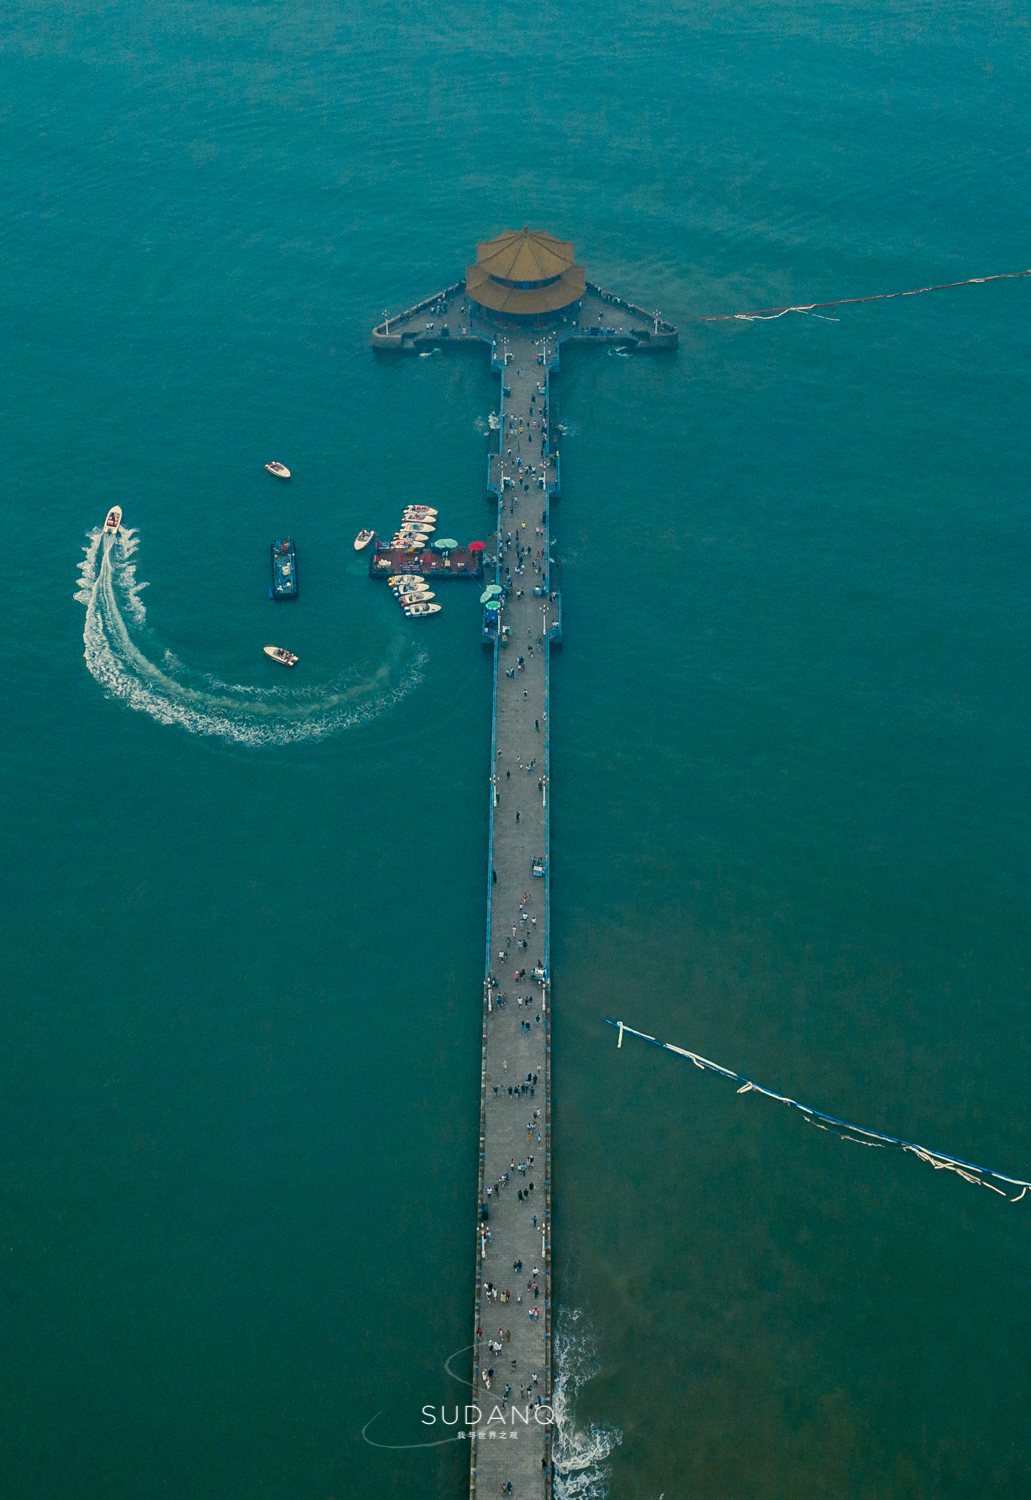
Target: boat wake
point(201, 704)
point(579, 1452)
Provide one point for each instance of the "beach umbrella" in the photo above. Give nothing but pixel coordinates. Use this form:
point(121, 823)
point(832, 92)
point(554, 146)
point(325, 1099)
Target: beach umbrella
point(477, 546)
point(490, 596)
point(445, 543)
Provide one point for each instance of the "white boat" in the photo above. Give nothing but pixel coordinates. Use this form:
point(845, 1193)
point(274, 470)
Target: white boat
point(422, 609)
point(363, 539)
point(114, 519)
point(424, 526)
point(420, 510)
point(396, 578)
point(279, 470)
point(281, 654)
point(417, 596)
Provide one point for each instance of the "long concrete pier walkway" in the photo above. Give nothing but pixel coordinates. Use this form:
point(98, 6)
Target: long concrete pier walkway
point(512, 1374)
point(510, 1420)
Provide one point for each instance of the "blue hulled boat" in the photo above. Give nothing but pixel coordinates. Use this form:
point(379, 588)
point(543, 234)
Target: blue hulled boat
point(284, 570)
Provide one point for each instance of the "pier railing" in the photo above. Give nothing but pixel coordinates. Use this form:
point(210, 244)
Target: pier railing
point(614, 300)
point(383, 330)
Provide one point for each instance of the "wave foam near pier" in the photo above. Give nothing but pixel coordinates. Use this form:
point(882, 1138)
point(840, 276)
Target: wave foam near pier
point(579, 1453)
point(242, 714)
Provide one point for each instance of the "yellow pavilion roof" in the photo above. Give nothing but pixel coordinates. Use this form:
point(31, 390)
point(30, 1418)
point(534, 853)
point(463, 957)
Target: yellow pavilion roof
point(525, 255)
point(567, 288)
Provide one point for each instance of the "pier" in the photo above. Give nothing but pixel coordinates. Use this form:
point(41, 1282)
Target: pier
point(511, 1438)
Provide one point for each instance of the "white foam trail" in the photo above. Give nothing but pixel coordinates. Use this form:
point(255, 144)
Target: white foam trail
point(579, 1452)
point(242, 714)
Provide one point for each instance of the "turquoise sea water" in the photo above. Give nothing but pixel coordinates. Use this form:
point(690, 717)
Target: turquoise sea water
point(243, 915)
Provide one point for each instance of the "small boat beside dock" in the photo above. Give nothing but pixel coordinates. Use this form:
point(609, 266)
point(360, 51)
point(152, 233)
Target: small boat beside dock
point(362, 540)
point(114, 519)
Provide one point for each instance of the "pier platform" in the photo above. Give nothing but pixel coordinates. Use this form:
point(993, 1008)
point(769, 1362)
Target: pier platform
point(449, 319)
point(512, 1377)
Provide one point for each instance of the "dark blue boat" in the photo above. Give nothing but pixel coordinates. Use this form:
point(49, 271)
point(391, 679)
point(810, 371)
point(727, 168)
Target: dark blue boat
point(284, 569)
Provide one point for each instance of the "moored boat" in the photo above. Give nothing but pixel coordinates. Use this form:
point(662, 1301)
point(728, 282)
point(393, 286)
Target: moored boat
point(396, 578)
point(363, 539)
point(415, 596)
point(114, 519)
point(284, 569)
point(279, 470)
point(281, 654)
point(422, 609)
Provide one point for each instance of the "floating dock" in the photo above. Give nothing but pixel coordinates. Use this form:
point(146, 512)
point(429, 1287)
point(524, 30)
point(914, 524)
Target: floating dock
point(460, 562)
point(511, 1437)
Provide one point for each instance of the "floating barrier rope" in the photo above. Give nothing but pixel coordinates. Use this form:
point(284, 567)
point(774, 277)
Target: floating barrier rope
point(767, 314)
point(938, 1159)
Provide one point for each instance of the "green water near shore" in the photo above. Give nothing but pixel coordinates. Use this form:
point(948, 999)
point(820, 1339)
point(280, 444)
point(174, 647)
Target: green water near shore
point(242, 956)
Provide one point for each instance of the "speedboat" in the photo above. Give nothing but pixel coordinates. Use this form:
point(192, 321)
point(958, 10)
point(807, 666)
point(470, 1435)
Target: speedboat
point(281, 654)
point(420, 510)
point(363, 539)
point(417, 525)
point(396, 578)
point(279, 470)
point(421, 609)
point(114, 519)
point(416, 596)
